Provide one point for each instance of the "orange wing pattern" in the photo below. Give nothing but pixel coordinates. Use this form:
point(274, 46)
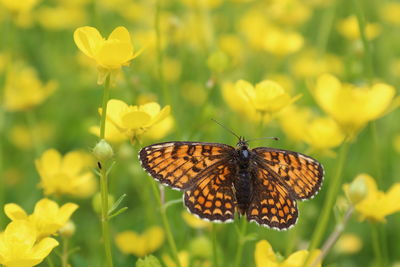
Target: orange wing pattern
point(301, 175)
point(181, 164)
point(271, 204)
point(212, 198)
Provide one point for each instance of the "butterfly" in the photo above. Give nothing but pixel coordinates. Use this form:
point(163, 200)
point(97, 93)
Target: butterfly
point(219, 180)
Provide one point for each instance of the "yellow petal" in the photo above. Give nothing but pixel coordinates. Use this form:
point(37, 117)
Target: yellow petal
point(49, 163)
point(264, 255)
point(115, 109)
point(151, 108)
point(380, 97)
point(297, 259)
point(113, 54)
point(161, 115)
point(66, 211)
point(15, 212)
point(21, 234)
point(135, 120)
point(72, 163)
point(120, 33)
point(155, 238)
point(43, 248)
point(326, 90)
point(88, 40)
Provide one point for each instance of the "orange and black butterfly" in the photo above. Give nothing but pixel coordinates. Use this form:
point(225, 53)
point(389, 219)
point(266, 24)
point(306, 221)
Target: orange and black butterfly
point(218, 180)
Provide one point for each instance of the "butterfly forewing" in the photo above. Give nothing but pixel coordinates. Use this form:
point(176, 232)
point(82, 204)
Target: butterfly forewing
point(272, 204)
point(301, 174)
point(180, 164)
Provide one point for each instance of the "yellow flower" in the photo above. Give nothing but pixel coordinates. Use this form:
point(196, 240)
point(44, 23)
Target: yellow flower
point(294, 120)
point(267, 97)
point(390, 12)
point(193, 221)
point(68, 175)
point(265, 256)
point(282, 43)
point(377, 204)
point(110, 54)
point(47, 217)
point(19, 246)
point(23, 89)
point(352, 107)
point(128, 122)
point(237, 101)
point(22, 136)
point(140, 245)
point(348, 244)
point(183, 257)
point(349, 28)
point(19, 6)
point(60, 17)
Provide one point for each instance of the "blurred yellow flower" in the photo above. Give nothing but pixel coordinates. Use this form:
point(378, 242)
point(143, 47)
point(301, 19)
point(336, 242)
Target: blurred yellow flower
point(20, 247)
point(396, 143)
point(310, 64)
point(349, 28)
point(193, 221)
point(282, 43)
point(377, 204)
point(294, 120)
point(352, 106)
point(232, 46)
point(237, 101)
point(288, 12)
point(348, 244)
point(194, 93)
point(23, 89)
point(172, 69)
point(127, 122)
point(183, 257)
point(265, 256)
point(60, 17)
point(21, 135)
point(110, 54)
point(68, 175)
point(47, 216)
point(266, 97)
point(19, 6)
point(203, 4)
point(140, 245)
point(390, 12)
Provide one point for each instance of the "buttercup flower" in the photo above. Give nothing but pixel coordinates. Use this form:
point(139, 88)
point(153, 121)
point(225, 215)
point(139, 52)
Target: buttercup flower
point(23, 89)
point(47, 216)
point(110, 54)
point(19, 246)
point(183, 257)
point(390, 12)
point(349, 28)
point(349, 244)
point(140, 245)
point(265, 256)
point(376, 205)
point(68, 175)
point(352, 107)
point(193, 221)
point(127, 122)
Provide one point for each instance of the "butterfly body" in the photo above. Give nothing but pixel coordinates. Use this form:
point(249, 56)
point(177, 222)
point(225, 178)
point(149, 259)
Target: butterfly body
point(219, 180)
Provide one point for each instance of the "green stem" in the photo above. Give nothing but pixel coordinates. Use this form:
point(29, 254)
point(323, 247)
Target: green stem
point(333, 190)
point(241, 241)
point(362, 26)
point(167, 227)
point(376, 244)
point(104, 181)
point(104, 215)
point(64, 256)
point(325, 27)
point(160, 59)
point(106, 96)
point(377, 154)
point(214, 245)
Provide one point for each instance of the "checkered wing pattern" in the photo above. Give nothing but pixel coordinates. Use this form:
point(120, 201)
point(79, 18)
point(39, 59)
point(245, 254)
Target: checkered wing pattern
point(300, 174)
point(271, 204)
point(181, 165)
point(212, 198)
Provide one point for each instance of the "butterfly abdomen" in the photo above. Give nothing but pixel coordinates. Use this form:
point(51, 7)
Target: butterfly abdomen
point(242, 183)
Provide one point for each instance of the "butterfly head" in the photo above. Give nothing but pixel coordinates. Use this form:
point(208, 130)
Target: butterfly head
point(242, 143)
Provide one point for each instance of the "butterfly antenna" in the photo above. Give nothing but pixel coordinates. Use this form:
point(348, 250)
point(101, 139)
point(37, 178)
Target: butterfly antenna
point(263, 138)
point(226, 128)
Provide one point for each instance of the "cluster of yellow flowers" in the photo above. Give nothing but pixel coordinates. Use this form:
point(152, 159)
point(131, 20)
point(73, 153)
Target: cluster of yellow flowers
point(27, 240)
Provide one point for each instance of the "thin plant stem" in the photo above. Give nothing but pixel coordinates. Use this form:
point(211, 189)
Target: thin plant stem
point(333, 237)
point(167, 227)
point(104, 181)
point(214, 245)
point(362, 26)
point(376, 244)
point(49, 261)
point(106, 96)
point(241, 242)
point(64, 256)
point(377, 154)
point(333, 190)
point(325, 27)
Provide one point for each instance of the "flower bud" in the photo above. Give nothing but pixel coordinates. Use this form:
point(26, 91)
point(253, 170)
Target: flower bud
point(148, 261)
point(103, 151)
point(358, 190)
point(200, 247)
point(68, 229)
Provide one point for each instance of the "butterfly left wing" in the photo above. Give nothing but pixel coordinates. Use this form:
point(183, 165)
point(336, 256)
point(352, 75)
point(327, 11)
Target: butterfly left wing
point(301, 174)
point(181, 164)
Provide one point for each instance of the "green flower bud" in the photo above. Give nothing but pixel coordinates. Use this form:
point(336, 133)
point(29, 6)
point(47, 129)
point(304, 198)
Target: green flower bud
point(103, 151)
point(148, 261)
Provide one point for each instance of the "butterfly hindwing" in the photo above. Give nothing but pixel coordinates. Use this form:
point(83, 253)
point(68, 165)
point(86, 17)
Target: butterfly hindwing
point(301, 174)
point(271, 204)
point(180, 164)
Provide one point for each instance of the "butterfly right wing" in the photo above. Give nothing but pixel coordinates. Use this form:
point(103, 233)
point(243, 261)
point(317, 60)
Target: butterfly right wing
point(179, 164)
